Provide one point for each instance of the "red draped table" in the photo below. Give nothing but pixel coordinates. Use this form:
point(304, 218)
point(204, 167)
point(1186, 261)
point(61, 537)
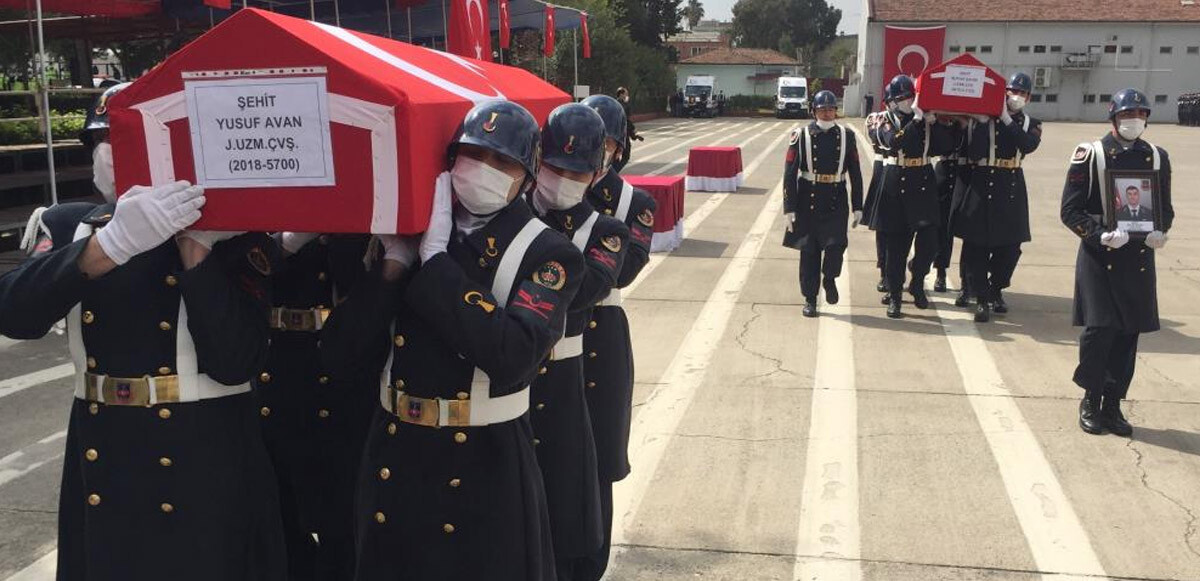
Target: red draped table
point(714, 169)
point(668, 216)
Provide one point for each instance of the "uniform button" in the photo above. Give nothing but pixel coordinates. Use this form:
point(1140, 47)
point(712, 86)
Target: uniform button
point(391, 429)
point(1110, 267)
point(164, 413)
point(592, 324)
point(542, 371)
point(540, 407)
point(398, 340)
point(591, 384)
point(88, 317)
point(164, 370)
point(608, 211)
point(460, 437)
point(91, 362)
point(380, 517)
point(993, 170)
point(264, 377)
point(323, 379)
point(592, 354)
point(812, 207)
point(1143, 250)
point(448, 528)
point(165, 326)
point(462, 395)
point(455, 483)
point(384, 473)
point(399, 384)
point(265, 411)
point(93, 499)
point(171, 280)
point(165, 462)
point(94, 408)
point(482, 263)
point(1143, 269)
point(167, 507)
point(991, 183)
point(321, 276)
point(536, 441)
point(322, 413)
point(91, 454)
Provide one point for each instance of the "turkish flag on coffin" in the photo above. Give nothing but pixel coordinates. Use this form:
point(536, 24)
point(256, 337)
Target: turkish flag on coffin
point(470, 35)
point(961, 85)
point(279, 100)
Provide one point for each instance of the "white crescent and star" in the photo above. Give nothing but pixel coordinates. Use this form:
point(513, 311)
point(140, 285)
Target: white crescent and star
point(478, 9)
point(912, 49)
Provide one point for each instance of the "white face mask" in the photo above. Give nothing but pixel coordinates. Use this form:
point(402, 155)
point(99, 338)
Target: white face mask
point(555, 192)
point(1131, 129)
point(905, 106)
point(1016, 102)
point(480, 188)
point(825, 125)
point(102, 171)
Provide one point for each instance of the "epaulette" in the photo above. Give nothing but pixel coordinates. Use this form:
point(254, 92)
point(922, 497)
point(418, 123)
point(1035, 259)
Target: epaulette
point(1082, 152)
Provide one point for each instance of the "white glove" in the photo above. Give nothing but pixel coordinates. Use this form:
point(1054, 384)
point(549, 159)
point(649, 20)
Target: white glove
point(980, 118)
point(1114, 239)
point(791, 219)
point(918, 114)
point(292, 242)
point(1005, 117)
point(402, 249)
point(207, 238)
point(930, 118)
point(857, 219)
point(441, 221)
point(146, 217)
point(1156, 239)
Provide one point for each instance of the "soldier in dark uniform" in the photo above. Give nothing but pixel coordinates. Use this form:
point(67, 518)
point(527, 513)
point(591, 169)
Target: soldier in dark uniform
point(608, 352)
point(949, 178)
point(314, 423)
point(908, 206)
point(873, 121)
point(449, 487)
point(1116, 295)
point(166, 327)
point(992, 216)
point(820, 158)
point(572, 158)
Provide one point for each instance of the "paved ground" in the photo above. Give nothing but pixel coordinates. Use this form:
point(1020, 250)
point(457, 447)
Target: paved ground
point(769, 446)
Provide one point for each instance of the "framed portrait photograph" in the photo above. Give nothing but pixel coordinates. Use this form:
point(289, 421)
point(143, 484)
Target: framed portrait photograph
point(1132, 202)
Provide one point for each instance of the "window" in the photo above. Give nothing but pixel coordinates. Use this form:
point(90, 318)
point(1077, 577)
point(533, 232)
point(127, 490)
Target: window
point(955, 48)
point(1104, 98)
point(1023, 48)
point(1160, 99)
point(1039, 48)
point(1095, 49)
point(1126, 49)
point(1056, 48)
point(985, 48)
point(1035, 98)
point(1089, 98)
point(1193, 50)
point(1051, 97)
point(970, 49)
point(1164, 50)
point(1110, 49)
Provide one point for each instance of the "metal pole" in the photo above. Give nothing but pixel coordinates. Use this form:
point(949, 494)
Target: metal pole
point(408, 10)
point(312, 9)
point(387, 8)
point(337, 13)
point(575, 55)
point(445, 29)
point(210, 17)
point(46, 106)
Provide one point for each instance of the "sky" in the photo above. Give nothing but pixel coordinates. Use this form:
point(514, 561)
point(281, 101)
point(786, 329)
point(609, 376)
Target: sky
point(851, 12)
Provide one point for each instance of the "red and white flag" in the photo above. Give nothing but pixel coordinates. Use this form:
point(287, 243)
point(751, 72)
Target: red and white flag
point(548, 32)
point(505, 33)
point(587, 38)
point(223, 4)
point(468, 29)
point(911, 50)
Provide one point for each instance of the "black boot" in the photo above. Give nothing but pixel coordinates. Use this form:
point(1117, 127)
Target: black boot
point(983, 311)
point(1090, 420)
point(881, 286)
point(939, 286)
point(810, 309)
point(831, 292)
point(917, 290)
point(893, 311)
point(999, 305)
point(963, 299)
point(1114, 420)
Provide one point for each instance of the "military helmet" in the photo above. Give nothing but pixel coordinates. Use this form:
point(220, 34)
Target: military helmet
point(1020, 82)
point(503, 127)
point(612, 113)
point(900, 88)
point(1126, 100)
point(97, 116)
point(573, 139)
point(824, 99)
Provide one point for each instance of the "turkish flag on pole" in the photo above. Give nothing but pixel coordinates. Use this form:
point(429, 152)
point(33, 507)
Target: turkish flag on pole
point(587, 39)
point(505, 33)
point(223, 4)
point(911, 50)
point(468, 29)
point(548, 33)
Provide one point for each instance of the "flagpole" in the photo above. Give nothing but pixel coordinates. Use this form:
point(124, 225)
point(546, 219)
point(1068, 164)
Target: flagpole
point(46, 107)
point(312, 10)
point(387, 7)
point(337, 13)
point(408, 10)
point(445, 29)
point(575, 55)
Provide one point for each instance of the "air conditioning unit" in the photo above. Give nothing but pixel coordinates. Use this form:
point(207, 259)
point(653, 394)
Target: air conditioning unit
point(1042, 77)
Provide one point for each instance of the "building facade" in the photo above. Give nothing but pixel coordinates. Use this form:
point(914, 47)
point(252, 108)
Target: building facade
point(739, 71)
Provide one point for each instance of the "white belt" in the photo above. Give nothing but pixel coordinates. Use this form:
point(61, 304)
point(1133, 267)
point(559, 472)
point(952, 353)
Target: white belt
point(896, 161)
point(812, 177)
point(567, 347)
point(483, 411)
point(612, 300)
point(192, 387)
point(879, 157)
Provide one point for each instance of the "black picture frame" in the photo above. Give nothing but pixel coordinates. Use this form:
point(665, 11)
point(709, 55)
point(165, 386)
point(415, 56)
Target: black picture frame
point(1121, 185)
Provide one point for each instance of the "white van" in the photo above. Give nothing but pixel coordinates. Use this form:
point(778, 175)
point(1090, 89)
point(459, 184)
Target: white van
point(700, 96)
point(791, 97)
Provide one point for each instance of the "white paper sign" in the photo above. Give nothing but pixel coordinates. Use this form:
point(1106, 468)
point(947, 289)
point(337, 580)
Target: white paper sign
point(260, 132)
point(964, 81)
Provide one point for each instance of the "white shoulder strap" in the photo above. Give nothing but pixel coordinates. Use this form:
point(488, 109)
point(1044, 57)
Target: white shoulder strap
point(75, 328)
point(807, 145)
point(580, 239)
point(510, 262)
point(991, 142)
point(1156, 155)
point(1101, 165)
point(925, 153)
point(842, 149)
point(625, 202)
point(1025, 124)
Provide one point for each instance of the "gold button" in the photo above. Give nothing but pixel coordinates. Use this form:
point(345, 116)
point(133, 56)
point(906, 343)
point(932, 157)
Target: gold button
point(812, 207)
point(94, 499)
point(1143, 250)
point(399, 384)
point(171, 280)
point(482, 263)
point(384, 473)
point(1110, 267)
point(991, 183)
point(536, 441)
point(380, 517)
point(94, 408)
point(592, 325)
point(165, 462)
point(164, 370)
point(901, 178)
point(264, 411)
point(455, 483)
point(462, 395)
point(91, 362)
point(608, 211)
point(592, 354)
point(88, 317)
point(264, 377)
point(167, 507)
point(449, 528)
point(324, 379)
point(542, 371)
point(460, 437)
point(322, 413)
point(165, 326)
point(321, 276)
point(391, 429)
point(164, 413)
point(398, 340)
point(1143, 269)
point(540, 407)
point(591, 384)
point(91, 454)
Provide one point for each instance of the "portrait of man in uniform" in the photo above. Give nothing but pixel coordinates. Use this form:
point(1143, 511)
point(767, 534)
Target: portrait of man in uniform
point(1133, 202)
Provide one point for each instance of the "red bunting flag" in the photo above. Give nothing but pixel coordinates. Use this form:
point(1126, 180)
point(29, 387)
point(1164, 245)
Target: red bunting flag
point(587, 38)
point(548, 32)
point(469, 34)
point(222, 4)
point(505, 33)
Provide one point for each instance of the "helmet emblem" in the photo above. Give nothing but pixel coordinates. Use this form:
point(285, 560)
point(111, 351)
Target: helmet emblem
point(490, 125)
point(569, 148)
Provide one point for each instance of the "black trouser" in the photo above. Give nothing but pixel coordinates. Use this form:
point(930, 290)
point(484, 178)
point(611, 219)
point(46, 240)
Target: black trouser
point(898, 244)
point(945, 242)
point(989, 270)
point(592, 568)
point(1107, 358)
point(881, 252)
point(812, 266)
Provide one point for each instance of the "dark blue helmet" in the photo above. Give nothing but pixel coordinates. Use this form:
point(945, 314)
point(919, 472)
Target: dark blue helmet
point(900, 88)
point(1126, 100)
point(824, 99)
point(612, 113)
point(503, 127)
point(1020, 82)
point(97, 116)
point(573, 139)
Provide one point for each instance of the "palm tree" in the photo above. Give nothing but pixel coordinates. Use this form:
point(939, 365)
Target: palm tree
point(694, 11)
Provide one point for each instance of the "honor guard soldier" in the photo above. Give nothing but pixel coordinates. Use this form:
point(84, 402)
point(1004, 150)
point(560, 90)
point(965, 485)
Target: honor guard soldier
point(949, 177)
point(572, 159)
point(314, 423)
point(992, 218)
point(166, 327)
point(608, 353)
point(1116, 296)
point(873, 122)
point(450, 487)
point(820, 158)
point(908, 205)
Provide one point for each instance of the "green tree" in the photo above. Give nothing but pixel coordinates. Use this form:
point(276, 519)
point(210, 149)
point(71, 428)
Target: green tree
point(693, 12)
point(649, 22)
point(810, 25)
